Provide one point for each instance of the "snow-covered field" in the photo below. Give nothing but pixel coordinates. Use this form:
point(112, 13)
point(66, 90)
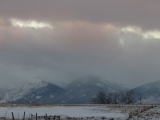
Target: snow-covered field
point(71, 111)
point(94, 112)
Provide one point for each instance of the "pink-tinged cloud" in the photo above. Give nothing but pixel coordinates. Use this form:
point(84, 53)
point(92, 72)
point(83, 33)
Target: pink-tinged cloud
point(144, 13)
point(115, 39)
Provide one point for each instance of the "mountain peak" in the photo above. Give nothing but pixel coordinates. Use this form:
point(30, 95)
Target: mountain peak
point(80, 90)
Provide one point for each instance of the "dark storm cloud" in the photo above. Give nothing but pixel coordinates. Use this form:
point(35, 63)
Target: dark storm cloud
point(143, 13)
point(86, 39)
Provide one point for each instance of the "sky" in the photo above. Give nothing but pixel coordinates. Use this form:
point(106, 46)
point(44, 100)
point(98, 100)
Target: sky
point(61, 40)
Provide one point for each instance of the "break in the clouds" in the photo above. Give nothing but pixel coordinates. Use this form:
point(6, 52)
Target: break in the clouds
point(30, 23)
point(61, 40)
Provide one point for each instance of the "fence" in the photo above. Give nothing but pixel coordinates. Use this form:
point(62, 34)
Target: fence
point(55, 117)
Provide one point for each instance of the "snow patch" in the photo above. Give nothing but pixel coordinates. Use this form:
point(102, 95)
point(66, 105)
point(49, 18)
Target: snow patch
point(71, 111)
point(38, 97)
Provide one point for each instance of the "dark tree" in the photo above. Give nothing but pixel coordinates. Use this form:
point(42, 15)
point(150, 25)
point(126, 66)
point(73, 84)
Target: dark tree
point(115, 98)
point(100, 98)
point(140, 98)
point(128, 98)
point(109, 98)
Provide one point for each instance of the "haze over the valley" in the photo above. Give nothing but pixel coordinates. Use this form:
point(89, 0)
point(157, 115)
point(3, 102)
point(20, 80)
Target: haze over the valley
point(61, 40)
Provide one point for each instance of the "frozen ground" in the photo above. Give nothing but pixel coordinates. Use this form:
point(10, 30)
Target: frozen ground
point(118, 112)
point(71, 111)
point(151, 114)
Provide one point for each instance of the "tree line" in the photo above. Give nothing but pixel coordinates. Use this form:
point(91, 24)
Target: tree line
point(117, 98)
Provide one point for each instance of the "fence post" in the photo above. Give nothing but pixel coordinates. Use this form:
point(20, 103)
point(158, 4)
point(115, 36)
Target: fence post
point(46, 116)
point(36, 116)
point(24, 116)
point(31, 116)
point(6, 115)
point(12, 116)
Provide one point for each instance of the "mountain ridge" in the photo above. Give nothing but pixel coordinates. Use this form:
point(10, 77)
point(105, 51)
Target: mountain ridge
point(149, 92)
point(80, 90)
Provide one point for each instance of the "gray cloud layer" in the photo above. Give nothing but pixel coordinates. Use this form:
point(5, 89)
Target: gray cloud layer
point(85, 40)
point(143, 13)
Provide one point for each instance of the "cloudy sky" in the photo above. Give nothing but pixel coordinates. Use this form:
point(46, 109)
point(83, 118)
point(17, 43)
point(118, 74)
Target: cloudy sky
point(60, 40)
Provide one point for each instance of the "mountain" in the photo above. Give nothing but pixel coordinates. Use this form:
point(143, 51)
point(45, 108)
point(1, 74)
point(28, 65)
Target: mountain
point(150, 93)
point(13, 93)
point(79, 91)
point(22, 89)
point(83, 89)
point(50, 93)
point(2, 93)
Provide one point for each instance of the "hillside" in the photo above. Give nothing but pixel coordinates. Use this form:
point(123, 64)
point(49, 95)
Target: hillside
point(79, 91)
point(150, 92)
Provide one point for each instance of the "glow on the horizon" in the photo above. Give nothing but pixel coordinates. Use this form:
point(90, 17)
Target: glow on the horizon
point(152, 34)
point(144, 34)
point(129, 34)
point(30, 24)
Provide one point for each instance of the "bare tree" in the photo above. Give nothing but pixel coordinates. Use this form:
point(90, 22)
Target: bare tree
point(140, 98)
point(115, 98)
point(128, 98)
point(109, 98)
point(100, 98)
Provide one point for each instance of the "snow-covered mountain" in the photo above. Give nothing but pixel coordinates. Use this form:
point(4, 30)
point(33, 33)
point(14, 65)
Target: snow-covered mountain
point(50, 93)
point(83, 89)
point(78, 91)
point(150, 93)
point(15, 92)
point(2, 93)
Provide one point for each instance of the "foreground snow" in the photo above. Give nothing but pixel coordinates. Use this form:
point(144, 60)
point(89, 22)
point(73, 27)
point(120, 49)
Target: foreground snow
point(115, 112)
point(71, 111)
